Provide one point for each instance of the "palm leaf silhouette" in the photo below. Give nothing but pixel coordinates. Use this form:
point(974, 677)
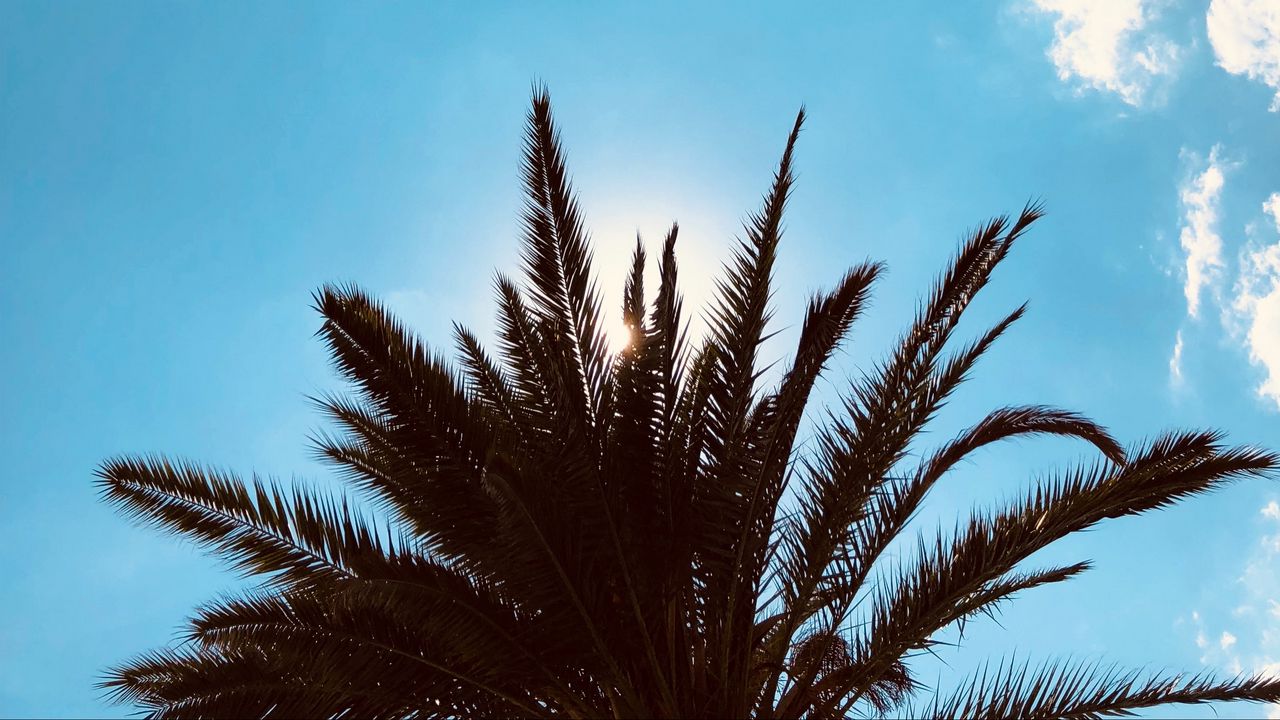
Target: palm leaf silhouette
point(550, 529)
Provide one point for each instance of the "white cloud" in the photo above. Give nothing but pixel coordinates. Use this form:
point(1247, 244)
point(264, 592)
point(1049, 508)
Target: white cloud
point(1272, 510)
point(1251, 314)
point(1245, 35)
point(1256, 649)
point(1227, 640)
point(1255, 309)
point(1105, 45)
point(1257, 304)
point(1199, 235)
point(1271, 206)
point(1175, 361)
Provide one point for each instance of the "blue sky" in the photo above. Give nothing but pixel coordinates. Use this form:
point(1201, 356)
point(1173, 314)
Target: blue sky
point(176, 178)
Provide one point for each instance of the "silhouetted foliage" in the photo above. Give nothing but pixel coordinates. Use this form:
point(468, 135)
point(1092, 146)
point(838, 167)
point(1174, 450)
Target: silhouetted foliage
point(570, 532)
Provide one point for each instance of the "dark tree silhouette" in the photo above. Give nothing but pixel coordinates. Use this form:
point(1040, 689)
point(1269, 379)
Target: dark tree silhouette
point(566, 532)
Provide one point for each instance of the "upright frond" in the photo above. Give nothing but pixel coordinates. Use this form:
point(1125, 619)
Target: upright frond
point(557, 263)
point(737, 328)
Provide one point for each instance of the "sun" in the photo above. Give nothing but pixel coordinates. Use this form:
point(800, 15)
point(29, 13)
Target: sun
point(614, 235)
point(618, 335)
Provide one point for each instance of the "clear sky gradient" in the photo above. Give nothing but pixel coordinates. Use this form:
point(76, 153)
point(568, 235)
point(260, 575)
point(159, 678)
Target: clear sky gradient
point(176, 178)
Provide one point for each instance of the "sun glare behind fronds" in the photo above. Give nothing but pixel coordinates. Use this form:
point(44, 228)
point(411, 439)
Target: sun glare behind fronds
point(621, 335)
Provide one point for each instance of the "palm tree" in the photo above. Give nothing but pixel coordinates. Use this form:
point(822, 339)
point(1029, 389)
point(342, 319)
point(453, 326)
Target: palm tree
point(565, 532)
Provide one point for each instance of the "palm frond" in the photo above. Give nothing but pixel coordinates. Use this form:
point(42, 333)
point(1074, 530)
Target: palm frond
point(1086, 690)
point(557, 263)
point(738, 320)
point(487, 381)
point(524, 351)
point(890, 408)
point(986, 599)
point(294, 538)
point(185, 684)
point(889, 512)
point(414, 633)
point(829, 318)
point(940, 587)
point(336, 677)
point(419, 399)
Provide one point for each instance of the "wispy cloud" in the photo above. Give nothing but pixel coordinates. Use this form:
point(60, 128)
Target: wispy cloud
point(1253, 645)
point(1175, 362)
point(1245, 35)
point(1251, 311)
point(1271, 206)
point(1107, 45)
point(1199, 236)
point(1257, 304)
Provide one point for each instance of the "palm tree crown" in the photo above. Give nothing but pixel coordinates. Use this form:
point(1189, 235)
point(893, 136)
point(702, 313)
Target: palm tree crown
point(565, 532)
